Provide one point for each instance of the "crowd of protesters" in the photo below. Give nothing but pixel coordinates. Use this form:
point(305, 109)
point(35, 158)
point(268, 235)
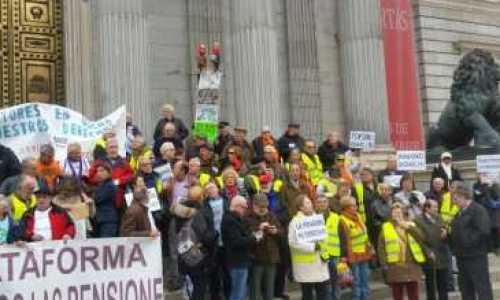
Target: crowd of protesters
point(228, 212)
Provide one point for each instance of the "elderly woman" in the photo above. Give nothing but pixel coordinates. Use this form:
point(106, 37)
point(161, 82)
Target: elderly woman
point(410, 196)
point(9, 231)
point(47, 168)
point(232, 185)
point(168, 135)
point(234, 159)
point(400, 255)
point(309, 269)
point(75, 164)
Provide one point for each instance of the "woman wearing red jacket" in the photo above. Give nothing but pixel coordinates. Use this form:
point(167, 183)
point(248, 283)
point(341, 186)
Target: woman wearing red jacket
point(47, 221)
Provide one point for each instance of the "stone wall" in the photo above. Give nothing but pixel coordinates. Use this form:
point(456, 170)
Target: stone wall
point(446, 30)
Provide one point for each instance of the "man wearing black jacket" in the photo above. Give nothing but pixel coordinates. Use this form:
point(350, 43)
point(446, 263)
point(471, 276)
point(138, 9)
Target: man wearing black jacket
point(9, 164)
point(290, 140)
point(167, 112)
point(330, 149)
point(469, 240)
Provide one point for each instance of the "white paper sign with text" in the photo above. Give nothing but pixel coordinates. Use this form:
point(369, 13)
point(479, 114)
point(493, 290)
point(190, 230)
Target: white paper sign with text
point(411, 160)
point(364, 140)
point(311, 229)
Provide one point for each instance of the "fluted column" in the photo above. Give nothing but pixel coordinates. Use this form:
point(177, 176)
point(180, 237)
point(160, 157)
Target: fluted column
point(121, 34)
point(78, 58)
point(363, 69)
point(255, 66)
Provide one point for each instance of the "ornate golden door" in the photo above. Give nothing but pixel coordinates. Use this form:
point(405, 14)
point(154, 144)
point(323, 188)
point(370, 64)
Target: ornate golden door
point(31, 51)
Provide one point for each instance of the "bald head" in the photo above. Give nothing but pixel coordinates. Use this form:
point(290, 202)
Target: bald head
point(238, 205)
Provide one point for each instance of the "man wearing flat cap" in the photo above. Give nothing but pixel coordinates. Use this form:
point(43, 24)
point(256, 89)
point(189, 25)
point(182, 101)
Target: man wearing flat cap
point(290, 140)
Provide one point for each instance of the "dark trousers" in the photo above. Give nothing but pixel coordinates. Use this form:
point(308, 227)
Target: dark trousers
point(199, 281)
point(321, 289)
point(436, 279)
point(220, 281)
point(107, 230)
point(282, 269)
point(474, 278)
point(399, 287)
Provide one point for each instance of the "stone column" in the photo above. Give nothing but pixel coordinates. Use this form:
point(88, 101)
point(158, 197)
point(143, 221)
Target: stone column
point(255, 66)
point(122, 53)
point(78, 58)
point(363, 69)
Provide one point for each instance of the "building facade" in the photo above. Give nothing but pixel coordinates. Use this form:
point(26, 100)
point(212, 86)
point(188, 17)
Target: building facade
point(316, 62)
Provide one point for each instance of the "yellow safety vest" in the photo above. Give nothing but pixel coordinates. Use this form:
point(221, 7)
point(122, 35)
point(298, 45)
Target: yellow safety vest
point(314, 168)
point(299, 256)
point(101, 142)
point(448, 209)
point(329, 188)
point(19, 208)
point(134, 160)
point(219, 182)
point(393, 249)
point(277, 184)
point(205, 179)
point(360, 193)
point(357, 235)
point(331, 245)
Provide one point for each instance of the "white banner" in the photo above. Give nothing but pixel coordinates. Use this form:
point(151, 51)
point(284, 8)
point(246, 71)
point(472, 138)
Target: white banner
point(488, 165)
point(24, 128)
point(411, 160)
point(119, 268)
point(311, 229)
point(364, 140)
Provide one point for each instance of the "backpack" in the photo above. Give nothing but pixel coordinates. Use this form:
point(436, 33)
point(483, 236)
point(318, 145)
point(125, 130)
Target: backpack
point(189, 245)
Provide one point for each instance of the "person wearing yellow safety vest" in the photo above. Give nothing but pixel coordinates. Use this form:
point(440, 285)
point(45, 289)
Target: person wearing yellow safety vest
point(358, 249)
point(401, 255)
point(99, 152)
point(326, 186)
point(331, 245)
point(139, 150)
point(447, 209)
point(312, 163)
point(23, 199)
point(309, 268)
point(365, 192)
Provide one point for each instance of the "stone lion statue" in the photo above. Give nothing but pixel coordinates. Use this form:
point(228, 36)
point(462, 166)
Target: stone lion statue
point(473, 112)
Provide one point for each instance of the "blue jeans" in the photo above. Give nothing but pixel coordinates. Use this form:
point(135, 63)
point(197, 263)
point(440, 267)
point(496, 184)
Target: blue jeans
point(361, 279)
point(332, 267)
point(239, 280)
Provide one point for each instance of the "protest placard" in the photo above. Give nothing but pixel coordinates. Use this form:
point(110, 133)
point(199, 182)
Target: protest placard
point(24, 128)
point(489, 165)
point(118, 268)
point(164, 171)
point(364, 140)
point(311, 229)
point(411, 160)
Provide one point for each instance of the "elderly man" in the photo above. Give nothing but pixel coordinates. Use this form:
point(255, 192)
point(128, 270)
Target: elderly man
point(290, 140)
point(264, 139)
point(9, 185)
point(168, 116)
point(391, 175)
point(312, 163)
point(23, 199)
point(139, 150)
point(122, 174)
point(330, 148)
point(446, 170)
point(168, 135)
point(100, 144)
point(9, 164)
point(76, 165)
point(224, 137)
point(469, 237)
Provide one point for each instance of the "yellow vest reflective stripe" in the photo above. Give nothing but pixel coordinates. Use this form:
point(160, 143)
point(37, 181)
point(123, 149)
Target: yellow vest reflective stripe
point(357, 235)
point(277, 185)
point(219, 182)
point(158, 186)
point(314, 168)
point(302, 257)
point(134, 160)
point(19, 208)
point(393, 249)
point(329, 188)
point(205, 179)
point(332, 239)
point(254, 183)
point(100, 143)
point(448, 210)
point(360, 193)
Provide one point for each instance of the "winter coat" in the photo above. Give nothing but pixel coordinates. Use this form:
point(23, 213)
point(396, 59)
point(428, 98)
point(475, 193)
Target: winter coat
point(104, 199)
point(266, 250)
point(407, 271)
point(316, 271)
point(121, 172)
point(9, 164)
point(180, 129)
point(327, 153)
point(135, 221)
point(287, 143)
point(289, 193)
point(60, 223)
point(238, 240)
point(489, 198)
point(15, 231)
point(470, 231)
point(432, 241)
point(438, 171)
point(258, 148)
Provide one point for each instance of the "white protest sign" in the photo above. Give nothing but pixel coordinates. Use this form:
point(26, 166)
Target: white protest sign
point(488, 165)
point(311, 229)
point(164, 171)
point(364, 140)
point(118, 268)
point(154, 202)
point(393, 180)
point(24, 128)
point(411, 160)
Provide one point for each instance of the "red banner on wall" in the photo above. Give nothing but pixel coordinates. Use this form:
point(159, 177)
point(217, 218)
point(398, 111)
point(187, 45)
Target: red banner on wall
point(401, 72)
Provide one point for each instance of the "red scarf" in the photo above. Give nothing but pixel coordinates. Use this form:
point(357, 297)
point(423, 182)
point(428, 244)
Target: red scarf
point(232, 191)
